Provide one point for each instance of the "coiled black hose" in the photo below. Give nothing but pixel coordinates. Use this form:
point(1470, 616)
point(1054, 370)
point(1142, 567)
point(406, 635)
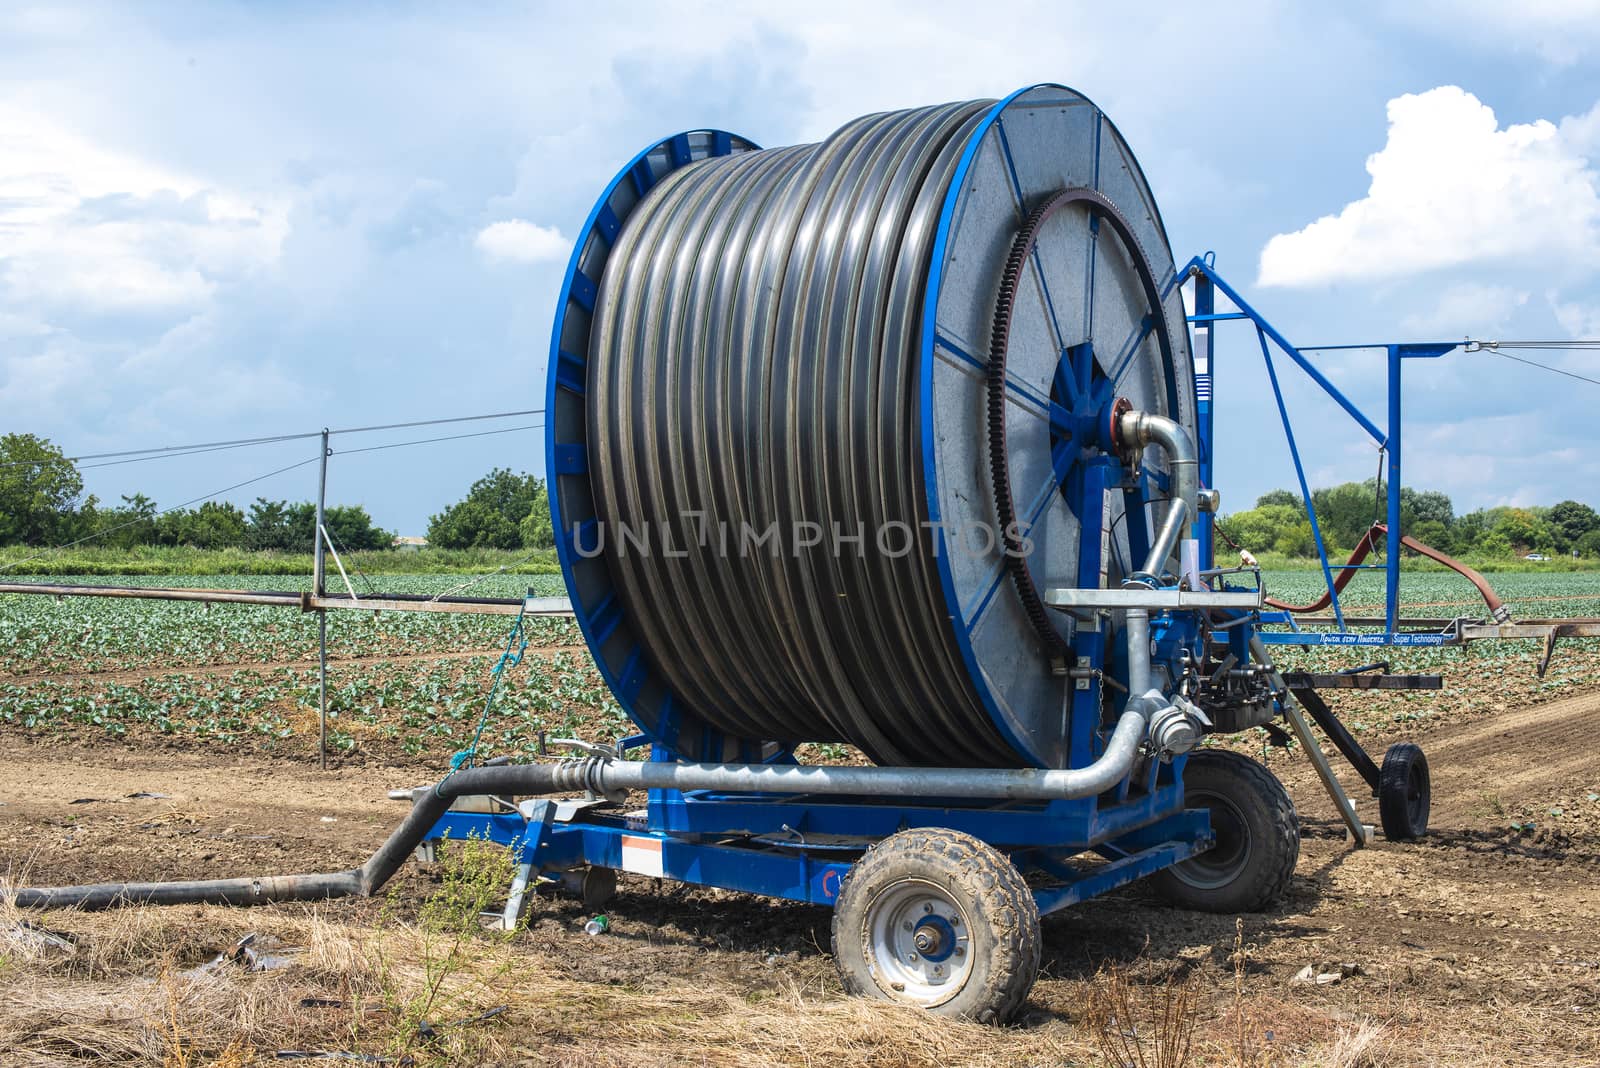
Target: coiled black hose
point(755, 367)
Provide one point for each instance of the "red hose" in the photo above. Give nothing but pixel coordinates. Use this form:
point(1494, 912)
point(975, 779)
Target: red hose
point(1368, 542)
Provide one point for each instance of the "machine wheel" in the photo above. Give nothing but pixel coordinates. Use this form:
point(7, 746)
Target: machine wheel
point(1257, 831)
point(599, 886)
point(938, 919)
point(1404, 793)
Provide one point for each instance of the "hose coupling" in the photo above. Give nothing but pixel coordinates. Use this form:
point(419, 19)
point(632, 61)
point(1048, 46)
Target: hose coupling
point(1177, 727)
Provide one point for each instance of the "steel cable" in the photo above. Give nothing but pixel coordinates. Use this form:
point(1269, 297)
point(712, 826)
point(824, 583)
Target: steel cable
point(755, 366)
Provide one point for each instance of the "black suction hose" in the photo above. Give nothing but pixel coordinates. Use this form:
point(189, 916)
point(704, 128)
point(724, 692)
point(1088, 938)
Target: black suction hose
point(512, 779)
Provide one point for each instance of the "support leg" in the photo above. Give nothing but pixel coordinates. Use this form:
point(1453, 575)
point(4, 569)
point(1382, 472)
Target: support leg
point(1359, 831)
point(516, 902)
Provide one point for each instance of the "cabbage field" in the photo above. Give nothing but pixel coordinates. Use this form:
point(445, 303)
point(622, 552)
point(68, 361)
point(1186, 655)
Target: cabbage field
point(412, 685)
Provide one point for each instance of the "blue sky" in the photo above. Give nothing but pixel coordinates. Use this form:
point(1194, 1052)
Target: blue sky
point(220, 220)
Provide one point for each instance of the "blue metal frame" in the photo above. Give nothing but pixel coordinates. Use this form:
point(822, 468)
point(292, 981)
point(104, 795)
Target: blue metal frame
point(759, 844)
point(1202, 269)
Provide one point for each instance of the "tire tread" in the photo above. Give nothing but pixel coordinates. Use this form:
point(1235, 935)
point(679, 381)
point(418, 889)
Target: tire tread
point(1260, 884)
point(973, 869)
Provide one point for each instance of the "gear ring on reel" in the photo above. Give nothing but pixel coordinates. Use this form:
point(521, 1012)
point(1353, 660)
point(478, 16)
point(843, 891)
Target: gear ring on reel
point(1022, 248)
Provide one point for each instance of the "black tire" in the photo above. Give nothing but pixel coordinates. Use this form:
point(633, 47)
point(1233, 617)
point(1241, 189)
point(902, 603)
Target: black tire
point(1258, 837)
point(598, 887)
point(1404, 793)
point(961, 902)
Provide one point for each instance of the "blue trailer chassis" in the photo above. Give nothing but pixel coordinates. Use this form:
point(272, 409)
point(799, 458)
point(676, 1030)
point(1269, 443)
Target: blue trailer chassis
point(799, 848)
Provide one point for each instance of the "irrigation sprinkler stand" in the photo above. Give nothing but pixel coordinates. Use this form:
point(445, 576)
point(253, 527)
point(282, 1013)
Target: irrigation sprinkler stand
point(318, 576)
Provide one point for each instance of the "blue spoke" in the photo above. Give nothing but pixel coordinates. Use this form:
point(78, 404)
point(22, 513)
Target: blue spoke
point(1037, 403)
point(1050, 305)
point(1066, 383)
point(1061, 457)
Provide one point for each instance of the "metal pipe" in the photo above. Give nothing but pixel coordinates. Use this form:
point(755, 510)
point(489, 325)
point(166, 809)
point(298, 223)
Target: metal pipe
point(1024, 784)
point(1144, 428)
point(1136, 625)
point(1167, 539)
point(607, 776)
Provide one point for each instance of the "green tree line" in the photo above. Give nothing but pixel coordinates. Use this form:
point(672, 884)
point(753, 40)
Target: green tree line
point(1279, 523)
point(42, 503)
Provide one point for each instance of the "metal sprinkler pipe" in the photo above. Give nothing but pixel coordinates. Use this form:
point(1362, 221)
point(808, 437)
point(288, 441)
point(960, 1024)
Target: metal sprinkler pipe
point(1137, 429)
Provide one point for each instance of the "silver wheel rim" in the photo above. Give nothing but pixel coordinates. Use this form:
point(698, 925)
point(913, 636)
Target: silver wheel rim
point(919, 943)
point(1224, 862)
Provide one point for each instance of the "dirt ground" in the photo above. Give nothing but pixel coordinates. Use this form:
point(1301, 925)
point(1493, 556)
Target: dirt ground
point(1478, 945)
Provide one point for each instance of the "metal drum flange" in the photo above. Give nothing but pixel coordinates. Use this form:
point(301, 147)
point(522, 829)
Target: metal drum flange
point(616, 649)
point(1081, 334)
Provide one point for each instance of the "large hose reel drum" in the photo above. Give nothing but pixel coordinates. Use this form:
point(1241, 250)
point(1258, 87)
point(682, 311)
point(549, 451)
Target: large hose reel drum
point(819, 416)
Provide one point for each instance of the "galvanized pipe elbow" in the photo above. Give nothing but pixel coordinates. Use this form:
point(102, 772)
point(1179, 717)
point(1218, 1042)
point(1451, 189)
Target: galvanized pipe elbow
point(1137, 429)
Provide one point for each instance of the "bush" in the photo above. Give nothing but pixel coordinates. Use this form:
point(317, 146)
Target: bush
point(502, 510)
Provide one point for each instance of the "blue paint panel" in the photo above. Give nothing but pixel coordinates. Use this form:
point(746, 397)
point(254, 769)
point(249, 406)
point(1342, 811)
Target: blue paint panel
point(667, 721)
point(572, 459)
point(1061, 421)
point(679, 147)
point(1066, 377)
point(604, 618)
point(584, 290)
point(570, 371)
point(632, 676)
point(643, 177)
point(721, 143)
point(1076, 824)
point(607, 223)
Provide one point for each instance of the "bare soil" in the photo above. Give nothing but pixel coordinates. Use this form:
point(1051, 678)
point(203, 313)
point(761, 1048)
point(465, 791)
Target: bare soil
point(1479, 944)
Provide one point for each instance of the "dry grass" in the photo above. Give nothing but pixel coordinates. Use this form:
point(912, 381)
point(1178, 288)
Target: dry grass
point(1363, 1044)
point(139, 1006)
point(125, 989)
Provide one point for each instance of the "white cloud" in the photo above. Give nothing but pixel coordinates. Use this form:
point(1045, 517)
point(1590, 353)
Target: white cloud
point(1559, 31)
point(1451, 188)
point(85, 228)
point(520, 241)
point(1467, 308)
point(1578, 319)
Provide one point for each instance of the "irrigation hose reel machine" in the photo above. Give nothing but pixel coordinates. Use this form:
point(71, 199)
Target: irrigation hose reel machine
point(896, 441)
point(892, 441)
